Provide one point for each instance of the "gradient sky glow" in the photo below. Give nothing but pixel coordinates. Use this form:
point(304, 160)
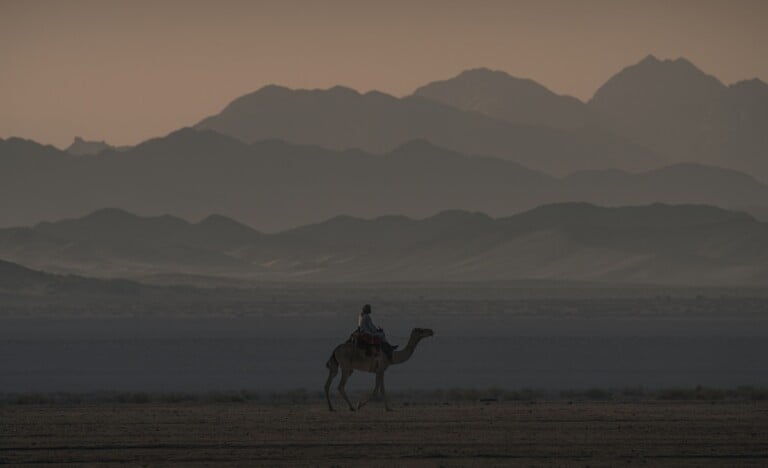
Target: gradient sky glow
point(125, 71)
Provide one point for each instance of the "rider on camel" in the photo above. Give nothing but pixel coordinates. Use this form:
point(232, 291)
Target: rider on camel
point(370, 333)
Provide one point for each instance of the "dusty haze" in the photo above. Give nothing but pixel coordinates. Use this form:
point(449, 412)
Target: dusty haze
point(127, 71)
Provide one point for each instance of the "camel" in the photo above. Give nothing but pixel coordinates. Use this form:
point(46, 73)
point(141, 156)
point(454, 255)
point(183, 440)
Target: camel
point(349, 357)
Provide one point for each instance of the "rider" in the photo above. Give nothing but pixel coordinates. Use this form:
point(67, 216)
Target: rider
point(366, 326)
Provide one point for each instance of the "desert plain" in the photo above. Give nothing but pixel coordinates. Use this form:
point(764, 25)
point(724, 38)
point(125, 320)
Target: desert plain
point(562, 433)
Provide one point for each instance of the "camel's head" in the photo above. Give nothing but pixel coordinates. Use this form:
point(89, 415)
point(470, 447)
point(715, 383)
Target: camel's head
point(422, 332)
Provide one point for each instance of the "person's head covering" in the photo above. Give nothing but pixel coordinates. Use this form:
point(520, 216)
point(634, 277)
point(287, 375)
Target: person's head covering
point(366, 309)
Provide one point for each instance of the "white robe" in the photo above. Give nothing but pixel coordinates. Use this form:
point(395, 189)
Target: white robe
point(365, 322)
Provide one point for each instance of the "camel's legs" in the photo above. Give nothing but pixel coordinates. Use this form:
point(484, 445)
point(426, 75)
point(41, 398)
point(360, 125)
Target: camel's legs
point(380, 382)
point(332, 371)
point(344, 376)
point(370, 395)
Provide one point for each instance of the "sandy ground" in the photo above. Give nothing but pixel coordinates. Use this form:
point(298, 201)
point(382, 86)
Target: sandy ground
point(496, 434)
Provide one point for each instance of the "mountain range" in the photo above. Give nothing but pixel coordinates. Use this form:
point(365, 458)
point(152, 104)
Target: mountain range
point(653, 113)
point(659, 131)
point(670, 107)
point(652, 244)
point(341, 118)
point(273, 185)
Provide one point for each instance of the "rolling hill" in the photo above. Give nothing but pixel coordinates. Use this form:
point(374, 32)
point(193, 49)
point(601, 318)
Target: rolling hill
point(659, 244)
point(273, 185)
point(21, 285)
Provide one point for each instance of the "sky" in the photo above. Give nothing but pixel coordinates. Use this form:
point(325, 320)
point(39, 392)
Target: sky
point(125, 71)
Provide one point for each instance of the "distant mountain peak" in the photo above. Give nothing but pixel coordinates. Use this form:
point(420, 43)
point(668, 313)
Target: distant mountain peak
point(755, 85)
point(661, 104)
point(649, 59)
point(672, 75)
point(680, 62)
point(379, 95)
point(483, 76)
point(482, 72)
point(279, 90)
point(268, 90)
point(502, 96)
point(339, 89)
point(82, 147)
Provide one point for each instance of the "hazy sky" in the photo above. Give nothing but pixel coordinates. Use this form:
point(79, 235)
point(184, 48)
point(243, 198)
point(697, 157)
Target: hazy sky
point(125, 71)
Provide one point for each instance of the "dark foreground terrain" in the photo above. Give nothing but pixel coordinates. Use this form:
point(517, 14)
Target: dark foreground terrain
point(579, 434)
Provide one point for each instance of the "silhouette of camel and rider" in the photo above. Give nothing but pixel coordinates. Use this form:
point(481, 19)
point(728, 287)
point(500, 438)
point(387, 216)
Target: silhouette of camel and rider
point(367, 350)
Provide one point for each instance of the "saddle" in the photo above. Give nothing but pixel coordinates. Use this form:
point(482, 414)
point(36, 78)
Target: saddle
point(366, 338)
point(370, 343)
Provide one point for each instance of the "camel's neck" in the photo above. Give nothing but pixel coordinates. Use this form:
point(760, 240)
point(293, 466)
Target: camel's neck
point(406, 353)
